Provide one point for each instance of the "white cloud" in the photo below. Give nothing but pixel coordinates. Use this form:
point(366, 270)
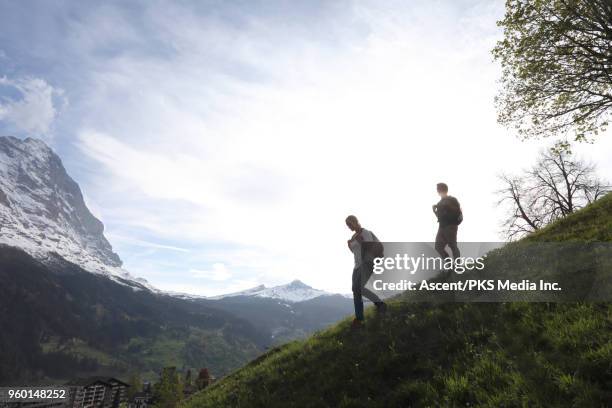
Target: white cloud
point(33, 110)
point(115, 238)
point(219, 272)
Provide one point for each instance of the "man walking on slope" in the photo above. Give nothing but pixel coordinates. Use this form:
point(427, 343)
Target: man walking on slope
point(365, 247)
point(449, 216)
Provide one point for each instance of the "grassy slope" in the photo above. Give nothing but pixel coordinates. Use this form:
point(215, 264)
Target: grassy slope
point(487, 355)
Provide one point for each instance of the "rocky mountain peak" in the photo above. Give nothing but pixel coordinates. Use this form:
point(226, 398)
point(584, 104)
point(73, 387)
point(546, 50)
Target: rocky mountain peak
point(42, 209)
point(298, 284)
point(294, 291)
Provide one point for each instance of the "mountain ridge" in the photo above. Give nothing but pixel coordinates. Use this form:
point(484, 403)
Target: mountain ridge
point(294, 291)
point(60, 322)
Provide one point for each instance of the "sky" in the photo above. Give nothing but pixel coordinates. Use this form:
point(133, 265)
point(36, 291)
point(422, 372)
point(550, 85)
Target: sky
point(223, 143)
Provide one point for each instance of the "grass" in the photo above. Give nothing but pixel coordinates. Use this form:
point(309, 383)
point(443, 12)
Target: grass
point(445, 355)
point(79, 348)
point(192, 349)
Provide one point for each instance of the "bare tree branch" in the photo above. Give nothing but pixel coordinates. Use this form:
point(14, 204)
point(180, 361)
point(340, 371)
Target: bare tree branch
point(556, 186)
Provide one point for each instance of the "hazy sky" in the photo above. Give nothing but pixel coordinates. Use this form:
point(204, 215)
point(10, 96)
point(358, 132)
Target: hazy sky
point(222, 143)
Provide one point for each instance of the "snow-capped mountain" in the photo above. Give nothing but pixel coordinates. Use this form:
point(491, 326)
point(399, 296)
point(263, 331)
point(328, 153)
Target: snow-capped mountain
point(287, 312)
point(295, 291)
point(42, 211)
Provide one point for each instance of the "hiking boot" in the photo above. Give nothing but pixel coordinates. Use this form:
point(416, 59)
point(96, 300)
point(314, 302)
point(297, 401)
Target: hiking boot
point(381, 308)
point(357, 324)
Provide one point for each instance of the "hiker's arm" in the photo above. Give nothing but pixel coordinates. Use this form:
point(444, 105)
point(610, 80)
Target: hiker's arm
point(356, 236)
point(441, 209)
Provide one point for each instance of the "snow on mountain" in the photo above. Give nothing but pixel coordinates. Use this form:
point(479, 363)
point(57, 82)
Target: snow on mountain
point(296, 291)
point(42, 211)
point(246, 292)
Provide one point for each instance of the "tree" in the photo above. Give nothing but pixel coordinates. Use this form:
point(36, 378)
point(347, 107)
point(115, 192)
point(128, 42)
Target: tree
point(556, 186)
point(556, 59)
point(203, 379)
point(168, 391)
point(188, 379)
point(135, 386)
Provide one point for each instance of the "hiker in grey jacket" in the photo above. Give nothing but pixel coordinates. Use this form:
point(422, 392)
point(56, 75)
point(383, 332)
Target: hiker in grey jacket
point(363, 268)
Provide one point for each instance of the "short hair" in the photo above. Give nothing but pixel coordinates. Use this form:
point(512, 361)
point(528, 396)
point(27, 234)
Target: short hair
point(442, 187)
point(351, 218)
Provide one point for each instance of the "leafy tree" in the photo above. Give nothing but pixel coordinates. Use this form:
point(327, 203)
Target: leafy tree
point(557, 67)
point(556, 186)
point(168, 391)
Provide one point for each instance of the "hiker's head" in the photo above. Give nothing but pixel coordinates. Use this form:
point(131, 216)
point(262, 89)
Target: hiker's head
point(352, 222)
point(442, 189)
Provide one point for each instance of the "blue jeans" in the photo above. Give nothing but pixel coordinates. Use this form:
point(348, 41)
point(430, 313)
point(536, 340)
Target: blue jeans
point(360, 278)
